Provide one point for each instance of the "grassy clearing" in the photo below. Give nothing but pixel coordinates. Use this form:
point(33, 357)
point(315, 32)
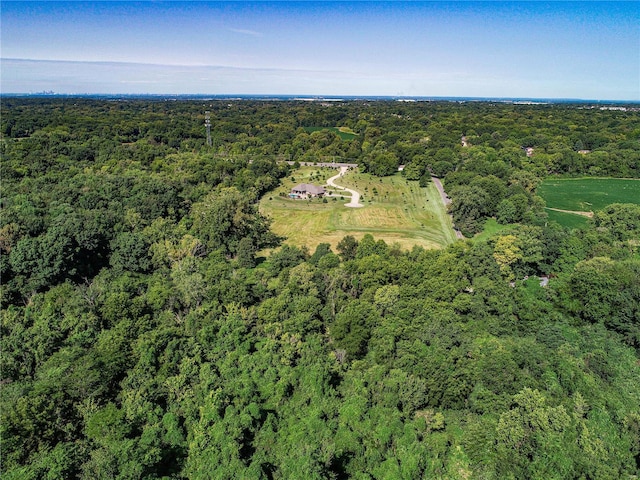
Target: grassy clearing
point(491, 227)
point(396, 210)
point(585, 195)
point(568, 220)
point(345, 133)
point(588, 194)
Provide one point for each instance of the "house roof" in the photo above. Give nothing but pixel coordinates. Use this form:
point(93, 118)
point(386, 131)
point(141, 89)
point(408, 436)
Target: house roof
point(308, 188)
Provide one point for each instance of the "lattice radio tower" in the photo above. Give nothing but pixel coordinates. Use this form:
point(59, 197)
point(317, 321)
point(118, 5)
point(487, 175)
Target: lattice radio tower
point(207, 123)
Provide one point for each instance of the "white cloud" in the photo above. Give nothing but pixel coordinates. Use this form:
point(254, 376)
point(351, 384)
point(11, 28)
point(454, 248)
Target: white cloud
point(245, 32)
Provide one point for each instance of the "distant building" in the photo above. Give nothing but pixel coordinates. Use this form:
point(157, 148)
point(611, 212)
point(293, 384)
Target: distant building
point(307, 190)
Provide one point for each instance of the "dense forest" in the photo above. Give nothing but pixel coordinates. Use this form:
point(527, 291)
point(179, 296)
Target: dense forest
point(146, 334)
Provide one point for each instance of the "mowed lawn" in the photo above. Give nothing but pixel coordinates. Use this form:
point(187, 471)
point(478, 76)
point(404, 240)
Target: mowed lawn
point(396, 211)
point(585, 195)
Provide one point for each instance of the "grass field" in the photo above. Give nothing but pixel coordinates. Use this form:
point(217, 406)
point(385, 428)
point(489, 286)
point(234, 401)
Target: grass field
point(585, 195)
point(568, 220)
point(396, 211)
point(492, 227)
point(345, 133)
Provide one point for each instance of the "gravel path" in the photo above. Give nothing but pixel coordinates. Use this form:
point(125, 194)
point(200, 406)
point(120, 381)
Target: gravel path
point(355, 196)
point(447, 201)
point(445, 198)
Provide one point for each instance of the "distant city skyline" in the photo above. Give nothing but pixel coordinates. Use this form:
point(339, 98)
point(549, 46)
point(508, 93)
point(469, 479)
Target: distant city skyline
point(582, 50)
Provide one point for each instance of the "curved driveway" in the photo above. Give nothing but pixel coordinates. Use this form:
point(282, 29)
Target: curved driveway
point(355, 196)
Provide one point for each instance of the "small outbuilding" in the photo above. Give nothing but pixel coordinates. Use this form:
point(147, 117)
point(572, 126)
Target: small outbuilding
point(307, 190)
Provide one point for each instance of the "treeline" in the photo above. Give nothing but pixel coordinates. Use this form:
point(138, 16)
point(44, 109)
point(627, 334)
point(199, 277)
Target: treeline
point(562, 138)
point(144, 337)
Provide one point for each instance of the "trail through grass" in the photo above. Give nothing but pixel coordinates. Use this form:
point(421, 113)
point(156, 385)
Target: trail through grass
point(588, 194)
point(585, 195)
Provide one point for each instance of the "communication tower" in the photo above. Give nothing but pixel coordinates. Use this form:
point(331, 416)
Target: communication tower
point(207, 123)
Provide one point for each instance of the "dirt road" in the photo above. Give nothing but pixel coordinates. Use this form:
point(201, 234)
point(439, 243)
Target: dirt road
point(447, 201)
point(575, 212)
point(445, 198)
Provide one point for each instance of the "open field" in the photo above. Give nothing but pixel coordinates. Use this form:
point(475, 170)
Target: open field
point(490, 228)
point(568, 220)
point(585, 195)
point(396, 211)
point(345, 133)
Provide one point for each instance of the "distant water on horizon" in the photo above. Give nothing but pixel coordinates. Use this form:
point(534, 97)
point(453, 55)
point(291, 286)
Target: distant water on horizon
point(315, 98)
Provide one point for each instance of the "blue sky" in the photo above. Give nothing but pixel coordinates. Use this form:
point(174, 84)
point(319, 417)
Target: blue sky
point(588, 50)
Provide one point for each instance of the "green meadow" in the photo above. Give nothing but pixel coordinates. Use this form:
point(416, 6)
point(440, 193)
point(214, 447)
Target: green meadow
point(569, 220)
point(396, 211)
point(492, 227)
point(345, 133)
point(585, 195)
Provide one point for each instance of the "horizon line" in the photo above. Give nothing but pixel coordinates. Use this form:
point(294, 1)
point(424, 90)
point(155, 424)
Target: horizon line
point(27, 76)
point(318, 97)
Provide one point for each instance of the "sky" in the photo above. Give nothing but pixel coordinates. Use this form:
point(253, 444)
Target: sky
point(536, 49)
